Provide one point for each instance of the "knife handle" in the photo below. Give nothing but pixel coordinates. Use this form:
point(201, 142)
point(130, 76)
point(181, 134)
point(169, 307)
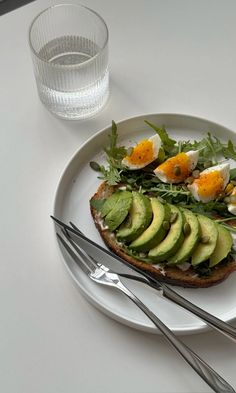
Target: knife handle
point(216, 323)
point(168, 293)
point(210, 376)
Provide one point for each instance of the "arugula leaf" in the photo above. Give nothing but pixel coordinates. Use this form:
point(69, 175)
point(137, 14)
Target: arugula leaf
point(211, 148)
point(111, 175)
point(232, 173)
point(229, 151)
point(168, 143)
point(115, 153)
point(209, 209)
point(214, 147)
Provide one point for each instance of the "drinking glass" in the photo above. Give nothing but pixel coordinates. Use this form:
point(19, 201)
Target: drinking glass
point(69, 47)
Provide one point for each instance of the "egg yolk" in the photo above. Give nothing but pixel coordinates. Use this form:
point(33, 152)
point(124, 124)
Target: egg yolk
point(176, 168)
point(210, 184)
point(141, 153)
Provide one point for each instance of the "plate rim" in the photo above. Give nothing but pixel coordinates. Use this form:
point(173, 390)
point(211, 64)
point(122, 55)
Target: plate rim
point(84, 291)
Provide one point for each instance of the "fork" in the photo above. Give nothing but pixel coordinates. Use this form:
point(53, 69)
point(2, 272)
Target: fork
point(162, 289)
point(103, 276)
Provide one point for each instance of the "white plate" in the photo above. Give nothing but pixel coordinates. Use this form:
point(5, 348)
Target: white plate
point(78, 183)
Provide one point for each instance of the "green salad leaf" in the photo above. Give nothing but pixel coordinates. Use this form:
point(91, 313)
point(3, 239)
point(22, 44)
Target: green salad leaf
point(229, 151)
point(169, 144)
point(232, 174)
point(114, 155)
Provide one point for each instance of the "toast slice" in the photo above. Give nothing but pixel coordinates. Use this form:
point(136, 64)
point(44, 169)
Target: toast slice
point(169, 274)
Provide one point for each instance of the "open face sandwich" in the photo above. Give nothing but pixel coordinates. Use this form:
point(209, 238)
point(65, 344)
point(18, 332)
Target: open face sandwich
point(168, 214)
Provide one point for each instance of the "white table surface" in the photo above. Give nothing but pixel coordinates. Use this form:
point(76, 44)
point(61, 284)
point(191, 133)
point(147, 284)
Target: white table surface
point(165, 56)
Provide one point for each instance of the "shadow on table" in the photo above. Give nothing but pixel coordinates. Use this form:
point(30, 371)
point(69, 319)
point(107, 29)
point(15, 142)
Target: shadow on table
point(10, 5)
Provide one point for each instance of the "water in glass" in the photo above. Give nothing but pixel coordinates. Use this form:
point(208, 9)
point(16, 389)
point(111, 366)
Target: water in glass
point(72, 82)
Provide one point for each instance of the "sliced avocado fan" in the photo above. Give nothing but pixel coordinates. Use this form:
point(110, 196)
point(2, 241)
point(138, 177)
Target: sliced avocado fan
point(146, 225)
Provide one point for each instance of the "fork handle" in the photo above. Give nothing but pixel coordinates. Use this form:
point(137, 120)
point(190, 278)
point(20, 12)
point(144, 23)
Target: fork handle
point(211, 377)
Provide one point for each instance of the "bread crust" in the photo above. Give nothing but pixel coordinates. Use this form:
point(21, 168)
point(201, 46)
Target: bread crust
point(169, 274)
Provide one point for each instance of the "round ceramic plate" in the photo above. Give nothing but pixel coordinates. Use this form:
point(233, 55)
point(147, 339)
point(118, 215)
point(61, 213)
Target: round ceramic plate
point(79, 182)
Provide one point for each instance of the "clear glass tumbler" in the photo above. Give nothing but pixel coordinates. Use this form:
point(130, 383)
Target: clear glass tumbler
point(69, 46)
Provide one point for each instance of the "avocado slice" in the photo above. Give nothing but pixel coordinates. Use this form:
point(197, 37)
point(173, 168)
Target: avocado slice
point(139, 218)
point(190, 240)
point(172, 241)
point(155, 233)
point(223, 246)
point(116, 208)
point(209, 231)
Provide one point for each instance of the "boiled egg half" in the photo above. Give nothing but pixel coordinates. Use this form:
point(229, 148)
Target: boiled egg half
point(210, 183)
point(176, 169)
point(145, 152)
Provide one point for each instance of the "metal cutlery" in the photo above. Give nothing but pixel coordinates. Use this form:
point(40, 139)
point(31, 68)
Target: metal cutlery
point(103, 276)
point(98, 253)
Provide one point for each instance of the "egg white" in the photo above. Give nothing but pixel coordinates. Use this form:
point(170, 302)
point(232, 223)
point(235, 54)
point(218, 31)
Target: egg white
point(223, 169)
point(232, 206)
point(156, 144)
point(193, 159)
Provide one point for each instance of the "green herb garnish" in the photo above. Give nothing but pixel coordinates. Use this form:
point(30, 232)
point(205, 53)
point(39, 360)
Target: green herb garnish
point(229, 151)
point(114, 155)
point(169, 144)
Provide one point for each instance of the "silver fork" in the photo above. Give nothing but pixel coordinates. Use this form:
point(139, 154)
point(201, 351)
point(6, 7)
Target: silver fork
point(102, 275)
